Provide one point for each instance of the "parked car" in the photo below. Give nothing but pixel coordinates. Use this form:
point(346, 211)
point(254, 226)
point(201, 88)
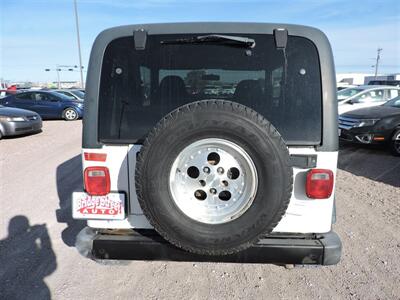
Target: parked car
point(48, 104)
point(373, 125)
point(5, 93)
point(16, 121)
point(365, 96)
point(75, 94)
point(212, 176)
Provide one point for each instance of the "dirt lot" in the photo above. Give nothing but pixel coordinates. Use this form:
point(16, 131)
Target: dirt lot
point(38, 260)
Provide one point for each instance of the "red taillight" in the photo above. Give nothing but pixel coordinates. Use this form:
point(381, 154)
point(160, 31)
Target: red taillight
point(97, 181)
point(95, 156)
point(319, 183)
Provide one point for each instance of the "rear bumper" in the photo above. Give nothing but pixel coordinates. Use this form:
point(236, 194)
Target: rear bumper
point(321, 249)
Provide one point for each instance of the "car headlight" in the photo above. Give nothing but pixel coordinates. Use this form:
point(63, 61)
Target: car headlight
point(80, 105)
point(13, 119)
point(367, 122)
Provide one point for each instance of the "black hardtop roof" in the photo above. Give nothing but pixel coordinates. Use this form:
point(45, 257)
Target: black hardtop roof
point(214, 27)
point(328, 77)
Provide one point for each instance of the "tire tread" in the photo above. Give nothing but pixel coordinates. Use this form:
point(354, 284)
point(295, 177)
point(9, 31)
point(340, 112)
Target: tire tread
point(235, 108)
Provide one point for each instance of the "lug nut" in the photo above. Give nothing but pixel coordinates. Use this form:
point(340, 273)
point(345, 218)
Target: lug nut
point(220, 170)
point(206, 170)
point(213, 191)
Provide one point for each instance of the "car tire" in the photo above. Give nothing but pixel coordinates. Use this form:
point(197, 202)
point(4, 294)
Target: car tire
point(179, 201)
point(395, 143)
point(70, 114)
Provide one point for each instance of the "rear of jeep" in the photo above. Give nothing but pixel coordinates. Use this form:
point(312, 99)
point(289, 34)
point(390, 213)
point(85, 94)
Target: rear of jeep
point(210, 141)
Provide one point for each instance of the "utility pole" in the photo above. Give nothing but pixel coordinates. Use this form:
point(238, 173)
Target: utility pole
point(58, 77)
point(378, 57)
point(79, 42)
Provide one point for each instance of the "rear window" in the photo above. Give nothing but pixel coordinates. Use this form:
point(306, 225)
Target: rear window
point(139, 87)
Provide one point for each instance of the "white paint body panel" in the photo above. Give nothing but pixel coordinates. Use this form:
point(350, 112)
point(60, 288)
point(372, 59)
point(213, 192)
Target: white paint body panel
point(303, 215)
point(118, 160)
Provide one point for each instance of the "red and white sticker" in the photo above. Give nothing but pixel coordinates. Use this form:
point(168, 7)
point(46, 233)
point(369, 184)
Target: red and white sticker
point(110, 206)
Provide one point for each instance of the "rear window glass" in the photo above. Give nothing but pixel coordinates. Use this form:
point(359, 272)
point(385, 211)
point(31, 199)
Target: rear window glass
point(139, 87)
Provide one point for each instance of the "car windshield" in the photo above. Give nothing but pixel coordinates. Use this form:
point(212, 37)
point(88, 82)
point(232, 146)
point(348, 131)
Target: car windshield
point(346, 93)
point(393, 103)
point(78, 93)
point(139, 87)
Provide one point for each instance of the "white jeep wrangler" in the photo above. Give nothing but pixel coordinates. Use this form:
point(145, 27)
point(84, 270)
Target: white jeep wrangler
point(210, 141)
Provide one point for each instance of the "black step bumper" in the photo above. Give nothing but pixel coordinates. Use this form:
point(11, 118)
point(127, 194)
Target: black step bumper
point(321, 249)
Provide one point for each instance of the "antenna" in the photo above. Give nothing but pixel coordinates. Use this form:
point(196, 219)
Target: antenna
point(378, 57)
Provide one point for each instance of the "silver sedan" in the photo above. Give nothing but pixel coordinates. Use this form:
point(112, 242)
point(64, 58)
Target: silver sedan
point(15, 121)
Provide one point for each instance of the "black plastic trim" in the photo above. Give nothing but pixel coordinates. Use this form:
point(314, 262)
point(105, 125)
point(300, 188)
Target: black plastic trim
point(324, 249)
point(328, 79)
point(332, 248)
point(140, 37)
point(281, 37)
point(303, 161)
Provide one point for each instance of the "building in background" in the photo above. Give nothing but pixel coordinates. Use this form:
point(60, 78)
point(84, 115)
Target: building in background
point(390, 77)
point(66, 84)
point(349, 79)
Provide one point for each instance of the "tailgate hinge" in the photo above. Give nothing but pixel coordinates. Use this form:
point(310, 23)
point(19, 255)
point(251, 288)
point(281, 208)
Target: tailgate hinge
point(281, 37)
point(140, 37)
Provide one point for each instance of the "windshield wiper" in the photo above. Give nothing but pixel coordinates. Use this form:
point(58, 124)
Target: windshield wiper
point(214, 39)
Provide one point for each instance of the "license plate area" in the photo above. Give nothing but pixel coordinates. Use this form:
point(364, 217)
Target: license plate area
point(108, 207)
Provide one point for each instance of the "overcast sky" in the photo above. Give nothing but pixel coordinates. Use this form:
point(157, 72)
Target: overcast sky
point(39, 34)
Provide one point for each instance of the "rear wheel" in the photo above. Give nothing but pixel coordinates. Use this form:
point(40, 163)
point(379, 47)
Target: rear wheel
point(395, 143)
point(70, 114)
point(213, 177)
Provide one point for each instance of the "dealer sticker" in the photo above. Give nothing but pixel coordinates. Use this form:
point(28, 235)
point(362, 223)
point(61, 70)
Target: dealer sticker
point(109, 207)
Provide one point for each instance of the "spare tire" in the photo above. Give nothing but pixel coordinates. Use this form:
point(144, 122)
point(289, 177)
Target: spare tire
point(214, 176)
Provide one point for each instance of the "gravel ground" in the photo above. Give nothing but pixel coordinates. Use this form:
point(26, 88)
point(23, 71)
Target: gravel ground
point(38, 260)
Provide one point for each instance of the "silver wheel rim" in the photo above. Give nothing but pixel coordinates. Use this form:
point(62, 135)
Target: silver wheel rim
point(213, 181)
point(70, 114)
point(397, 142)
